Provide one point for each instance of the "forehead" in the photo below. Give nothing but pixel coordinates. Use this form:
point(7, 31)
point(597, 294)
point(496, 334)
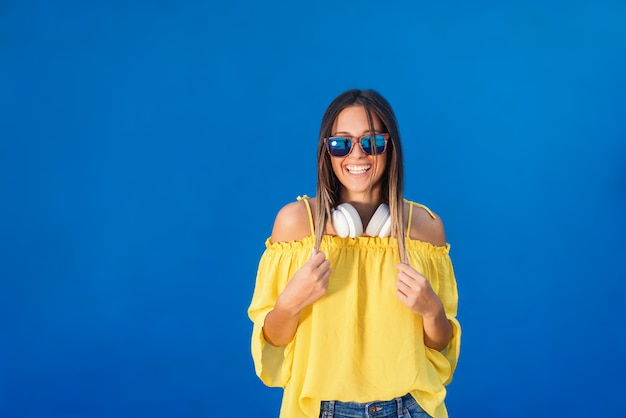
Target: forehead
point(353, 119)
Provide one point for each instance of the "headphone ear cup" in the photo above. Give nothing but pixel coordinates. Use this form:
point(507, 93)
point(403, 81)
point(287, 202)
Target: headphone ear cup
point(346, 221)
point(380, 224)
point(340, 223)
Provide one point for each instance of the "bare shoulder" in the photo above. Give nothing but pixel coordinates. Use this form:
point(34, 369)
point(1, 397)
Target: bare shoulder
point(427, 226)
point(291, 223)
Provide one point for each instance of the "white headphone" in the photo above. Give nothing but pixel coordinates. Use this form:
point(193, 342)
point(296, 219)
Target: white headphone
point(347, 222)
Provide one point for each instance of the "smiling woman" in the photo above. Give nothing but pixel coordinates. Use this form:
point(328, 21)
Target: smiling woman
point(351, 319)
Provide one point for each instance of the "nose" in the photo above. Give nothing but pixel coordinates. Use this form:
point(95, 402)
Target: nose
point(357, 150)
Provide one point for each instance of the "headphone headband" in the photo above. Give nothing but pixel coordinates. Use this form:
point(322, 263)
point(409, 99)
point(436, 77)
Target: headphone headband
point(347, 222)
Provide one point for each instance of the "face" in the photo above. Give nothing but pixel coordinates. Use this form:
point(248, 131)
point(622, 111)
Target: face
point(358, 172)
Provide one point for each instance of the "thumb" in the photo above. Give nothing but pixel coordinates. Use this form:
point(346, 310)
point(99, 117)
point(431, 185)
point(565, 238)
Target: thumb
point(314, 252)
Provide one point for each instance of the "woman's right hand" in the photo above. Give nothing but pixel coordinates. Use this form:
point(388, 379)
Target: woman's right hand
point(308, 285)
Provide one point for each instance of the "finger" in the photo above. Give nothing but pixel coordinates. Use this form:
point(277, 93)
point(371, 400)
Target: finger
point(403, 280)
point(317, 259)
point(407, 270)
point(405, 267)
point(323, 267)
point(413, 286)
point(326, 276)
point(408, 279)
point(403, 287)
point(403, 298)
point(317, 255)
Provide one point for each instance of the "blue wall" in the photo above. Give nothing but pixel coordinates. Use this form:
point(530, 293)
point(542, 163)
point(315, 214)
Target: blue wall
point(145, 148)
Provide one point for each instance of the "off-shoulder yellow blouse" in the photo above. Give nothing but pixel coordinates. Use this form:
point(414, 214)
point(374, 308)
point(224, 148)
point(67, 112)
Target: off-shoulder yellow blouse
point(359, 342)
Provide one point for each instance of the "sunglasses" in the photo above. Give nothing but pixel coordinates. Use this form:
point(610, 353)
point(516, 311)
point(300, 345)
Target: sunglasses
point(341, 146)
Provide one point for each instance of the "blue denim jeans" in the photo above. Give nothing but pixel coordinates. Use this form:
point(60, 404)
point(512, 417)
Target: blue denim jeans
point(405, 407)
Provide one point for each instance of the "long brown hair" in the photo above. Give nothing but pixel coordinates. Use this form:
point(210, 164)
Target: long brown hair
point(328, 185)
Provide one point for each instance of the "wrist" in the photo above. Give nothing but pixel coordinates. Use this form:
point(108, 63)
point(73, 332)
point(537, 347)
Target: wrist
point(437, 313)
point(286, 313)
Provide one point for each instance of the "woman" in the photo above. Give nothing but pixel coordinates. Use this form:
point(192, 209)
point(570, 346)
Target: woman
point(354, 307)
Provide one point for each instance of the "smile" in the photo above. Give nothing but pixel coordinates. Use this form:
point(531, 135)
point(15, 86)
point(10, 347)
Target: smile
point(358, 169)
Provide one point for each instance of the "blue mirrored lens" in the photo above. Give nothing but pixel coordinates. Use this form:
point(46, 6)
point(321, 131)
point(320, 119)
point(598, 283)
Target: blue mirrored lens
point(380, 143)
point(339, 147)
point(366, 142)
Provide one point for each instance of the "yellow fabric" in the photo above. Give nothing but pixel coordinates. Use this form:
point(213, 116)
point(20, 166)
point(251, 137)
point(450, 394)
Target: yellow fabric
point(359, 342)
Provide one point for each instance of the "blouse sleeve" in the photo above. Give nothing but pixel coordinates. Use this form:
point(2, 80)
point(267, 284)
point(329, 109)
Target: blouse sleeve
point(438, 269)
point(278, 264)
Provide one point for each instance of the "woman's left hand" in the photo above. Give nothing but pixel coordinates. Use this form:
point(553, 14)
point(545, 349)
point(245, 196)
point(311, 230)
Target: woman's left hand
point(415, 291)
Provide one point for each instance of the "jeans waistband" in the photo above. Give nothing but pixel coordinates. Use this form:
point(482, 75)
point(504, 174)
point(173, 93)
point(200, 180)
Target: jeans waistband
point(377, 409)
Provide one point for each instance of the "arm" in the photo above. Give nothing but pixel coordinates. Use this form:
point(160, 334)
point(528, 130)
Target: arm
point(307, 285)
point(437, 330)
point(414, 289)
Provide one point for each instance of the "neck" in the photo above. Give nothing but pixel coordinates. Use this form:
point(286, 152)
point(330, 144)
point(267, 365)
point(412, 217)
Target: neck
point(365, 199)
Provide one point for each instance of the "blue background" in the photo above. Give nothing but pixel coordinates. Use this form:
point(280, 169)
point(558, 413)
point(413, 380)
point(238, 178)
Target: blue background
point(145, 148)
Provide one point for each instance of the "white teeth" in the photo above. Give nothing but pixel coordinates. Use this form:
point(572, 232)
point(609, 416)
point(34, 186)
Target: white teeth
point(358, 169)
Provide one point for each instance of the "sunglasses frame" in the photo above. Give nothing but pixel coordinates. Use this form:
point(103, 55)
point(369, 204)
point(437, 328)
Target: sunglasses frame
point(359, 141)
